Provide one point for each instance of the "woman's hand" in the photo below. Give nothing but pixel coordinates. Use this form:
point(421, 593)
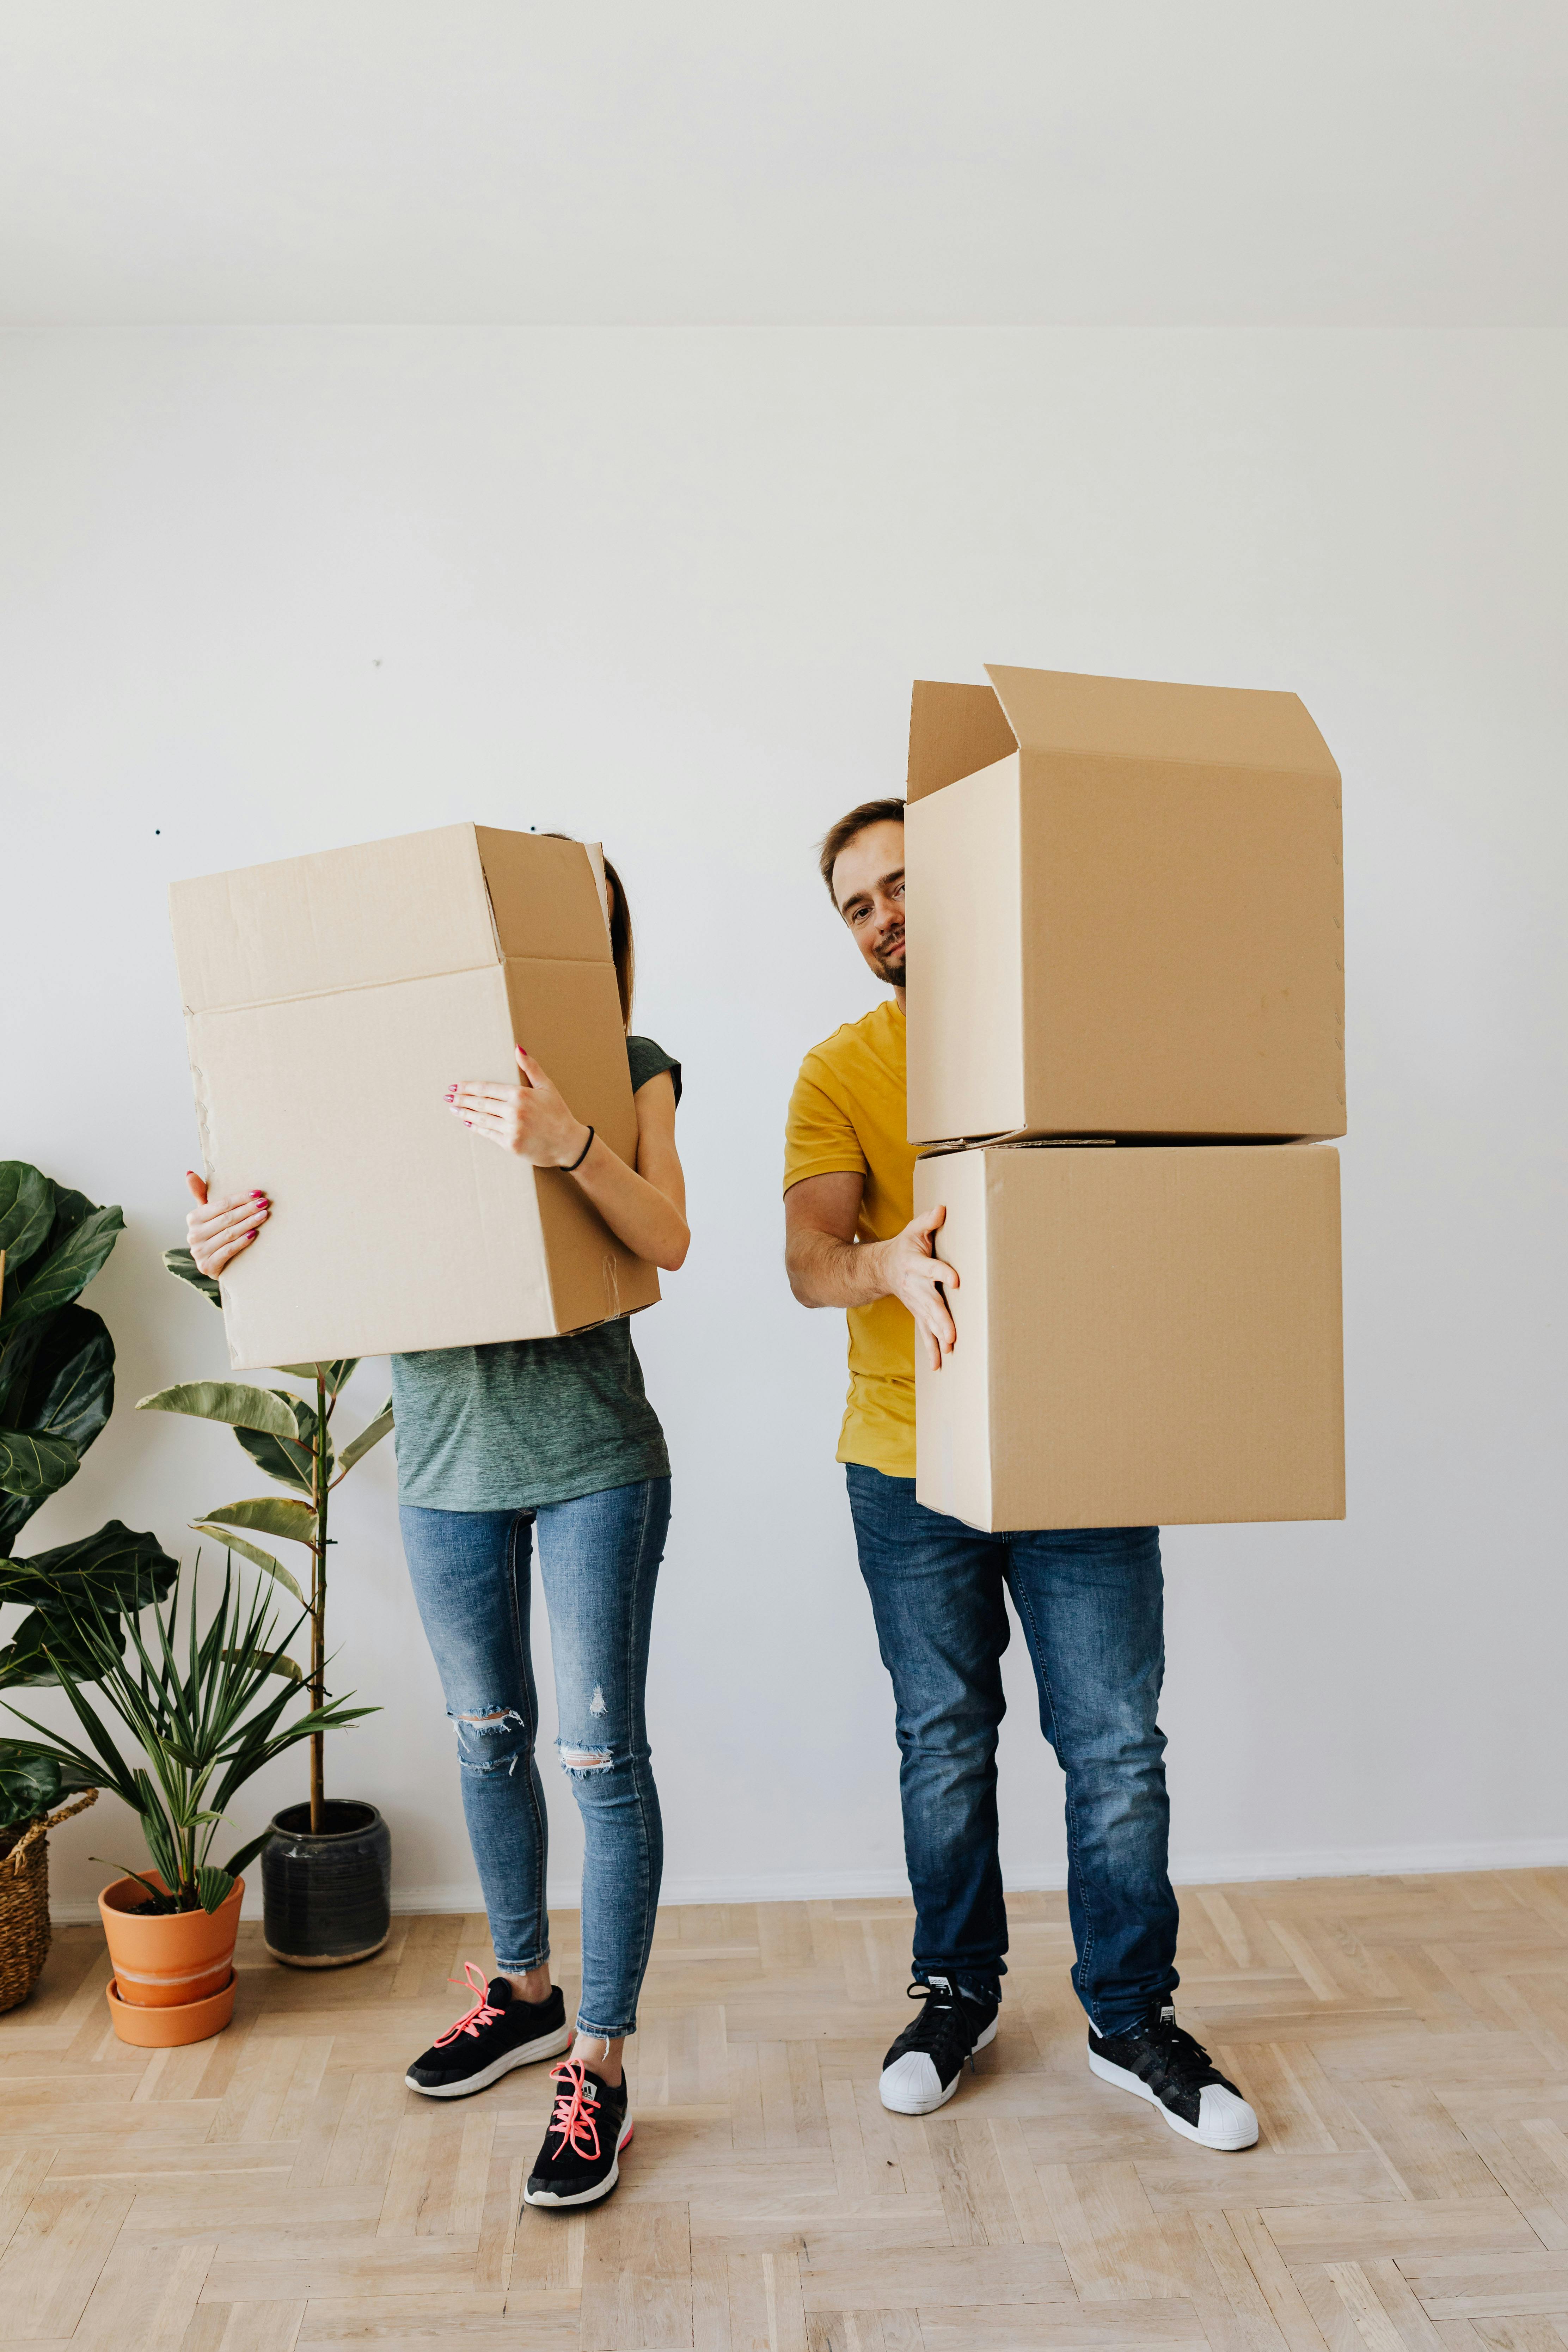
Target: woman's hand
point(534, 1120)
point(219, 1230)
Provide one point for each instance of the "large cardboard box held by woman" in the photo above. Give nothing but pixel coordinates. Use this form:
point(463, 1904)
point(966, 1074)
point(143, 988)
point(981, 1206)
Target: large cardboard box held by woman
point(330, 1000)
point(1146, 1336)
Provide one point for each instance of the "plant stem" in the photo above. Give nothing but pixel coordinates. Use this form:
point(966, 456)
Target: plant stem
point(318, 1610)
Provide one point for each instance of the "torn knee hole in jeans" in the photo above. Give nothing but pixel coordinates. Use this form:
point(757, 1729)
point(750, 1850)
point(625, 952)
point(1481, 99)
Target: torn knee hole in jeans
point(584, 1759)
point(478, 1737)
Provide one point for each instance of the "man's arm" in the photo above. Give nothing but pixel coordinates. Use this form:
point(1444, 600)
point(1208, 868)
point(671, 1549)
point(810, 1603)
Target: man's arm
point(828, 1268)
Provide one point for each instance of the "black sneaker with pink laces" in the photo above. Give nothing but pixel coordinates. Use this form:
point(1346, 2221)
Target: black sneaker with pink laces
point(581, 2159)
point(500, 2030)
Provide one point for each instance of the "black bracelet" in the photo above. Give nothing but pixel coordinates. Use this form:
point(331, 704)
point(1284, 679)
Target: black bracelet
point(581, 1156)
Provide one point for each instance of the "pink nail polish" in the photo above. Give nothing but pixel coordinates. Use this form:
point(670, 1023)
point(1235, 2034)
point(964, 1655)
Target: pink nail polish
point(259, 1196)
point(250, 1236)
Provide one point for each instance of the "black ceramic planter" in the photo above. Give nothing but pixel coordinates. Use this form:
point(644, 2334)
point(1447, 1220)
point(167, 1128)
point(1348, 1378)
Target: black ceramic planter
point(327, 1900)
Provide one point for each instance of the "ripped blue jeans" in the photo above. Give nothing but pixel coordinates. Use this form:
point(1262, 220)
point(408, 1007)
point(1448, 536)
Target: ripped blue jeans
point(598, 1560)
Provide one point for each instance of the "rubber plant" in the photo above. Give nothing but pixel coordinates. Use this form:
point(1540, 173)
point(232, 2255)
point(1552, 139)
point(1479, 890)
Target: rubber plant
point(290, 1439)
point(57, 1390)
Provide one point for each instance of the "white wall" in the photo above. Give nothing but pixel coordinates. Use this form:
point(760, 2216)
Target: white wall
point(269, 591)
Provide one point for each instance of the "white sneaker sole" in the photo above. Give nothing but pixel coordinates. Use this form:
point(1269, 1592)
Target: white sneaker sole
point(527, 2054)
point(583, 2196)
point(931, 2105)
point(1139, 2090)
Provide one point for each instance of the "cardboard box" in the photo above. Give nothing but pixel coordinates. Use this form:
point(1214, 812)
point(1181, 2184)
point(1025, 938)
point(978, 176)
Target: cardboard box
point(330, 1000)
point(1125, 911)
point(1146, 1336)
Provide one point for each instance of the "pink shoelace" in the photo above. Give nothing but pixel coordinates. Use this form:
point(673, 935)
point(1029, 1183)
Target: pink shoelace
point(573, 2117)
point(482, 2014)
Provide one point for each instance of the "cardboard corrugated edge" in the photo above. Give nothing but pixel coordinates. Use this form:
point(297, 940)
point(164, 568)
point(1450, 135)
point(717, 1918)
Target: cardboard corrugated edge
point(952, 1422)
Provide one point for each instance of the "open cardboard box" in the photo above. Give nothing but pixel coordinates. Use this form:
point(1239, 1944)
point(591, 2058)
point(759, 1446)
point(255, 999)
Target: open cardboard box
point(330, 1000)
point(1146, 1336)
point(1125, 911)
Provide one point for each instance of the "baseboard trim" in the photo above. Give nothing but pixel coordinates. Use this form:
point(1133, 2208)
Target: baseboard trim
point(849, 1885)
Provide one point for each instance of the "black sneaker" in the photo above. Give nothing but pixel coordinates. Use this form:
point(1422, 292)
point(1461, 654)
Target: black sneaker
point(500, 2031)
point(921, 2072)
point(581, 2159)
point(1159, 2061)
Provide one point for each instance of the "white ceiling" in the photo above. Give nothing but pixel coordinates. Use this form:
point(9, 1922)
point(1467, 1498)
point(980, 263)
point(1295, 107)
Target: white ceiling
point(1146, 162)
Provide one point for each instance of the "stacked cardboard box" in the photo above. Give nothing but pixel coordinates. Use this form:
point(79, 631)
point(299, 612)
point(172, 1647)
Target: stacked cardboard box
point(1126, 1048)
point(329, 1002)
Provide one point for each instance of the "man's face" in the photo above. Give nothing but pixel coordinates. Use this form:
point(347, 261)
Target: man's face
point(868, 890)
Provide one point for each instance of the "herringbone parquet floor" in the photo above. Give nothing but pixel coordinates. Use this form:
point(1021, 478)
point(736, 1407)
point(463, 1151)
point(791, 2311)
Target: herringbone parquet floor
point(1405, 2041)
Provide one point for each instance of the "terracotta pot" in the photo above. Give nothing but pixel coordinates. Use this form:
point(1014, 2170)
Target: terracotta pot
point(168, 1959)
point(175, 2023)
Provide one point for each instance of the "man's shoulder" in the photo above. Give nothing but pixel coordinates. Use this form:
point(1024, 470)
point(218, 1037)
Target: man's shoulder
point(876, 1038)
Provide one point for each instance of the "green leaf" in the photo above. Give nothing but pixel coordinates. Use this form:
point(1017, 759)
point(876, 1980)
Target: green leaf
point(183, 1267)
point(41, 1646)
point(34, 1466)
point(161, 1903)
point(27, 1212)
point(213, 1886)
point(372, 1434)
point(335, 1372)
point(30, 1784)
point(234, 1401)
point(69, 1268)
point(116, 1569)
point(295, 1465)
point(246, 1855)
point(252, 1552)
point(69, 1389)
point(278, 1662)
point(269, 1515)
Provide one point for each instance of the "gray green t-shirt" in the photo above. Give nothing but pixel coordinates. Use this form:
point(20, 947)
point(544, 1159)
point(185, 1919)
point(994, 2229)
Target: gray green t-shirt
point(527, 1422)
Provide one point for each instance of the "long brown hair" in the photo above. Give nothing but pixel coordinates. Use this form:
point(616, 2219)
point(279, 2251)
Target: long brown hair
point(621, 945)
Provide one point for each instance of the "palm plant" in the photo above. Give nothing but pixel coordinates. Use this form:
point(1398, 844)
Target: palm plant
point(202, 1712)
point(290, 1439)
point(57, 1390)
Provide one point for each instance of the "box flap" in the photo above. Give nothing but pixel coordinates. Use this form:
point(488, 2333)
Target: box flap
point(545, 897)
point(1143, 719)
point(954, 730)
point(385, 911)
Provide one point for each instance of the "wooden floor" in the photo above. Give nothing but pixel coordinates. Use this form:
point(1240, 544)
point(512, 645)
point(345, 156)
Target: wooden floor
point(1403, 2040)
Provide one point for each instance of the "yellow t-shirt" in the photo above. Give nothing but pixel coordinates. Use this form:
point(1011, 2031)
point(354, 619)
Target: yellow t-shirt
point(847, 1116)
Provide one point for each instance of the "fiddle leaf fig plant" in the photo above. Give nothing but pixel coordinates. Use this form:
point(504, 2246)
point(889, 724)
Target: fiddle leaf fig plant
point(290, 1438)
point(57, 1390)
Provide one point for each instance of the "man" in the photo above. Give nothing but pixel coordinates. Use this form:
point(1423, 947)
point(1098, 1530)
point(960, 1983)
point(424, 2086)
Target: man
point(1090, 1600)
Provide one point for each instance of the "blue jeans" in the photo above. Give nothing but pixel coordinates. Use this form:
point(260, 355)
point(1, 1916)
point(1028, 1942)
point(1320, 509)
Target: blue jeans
point(1090, 1601)
point(598, 1561)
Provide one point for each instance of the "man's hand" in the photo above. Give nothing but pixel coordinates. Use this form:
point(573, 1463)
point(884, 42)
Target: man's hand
point(827, 1266)
point(911, 1270)
point(534, 1120)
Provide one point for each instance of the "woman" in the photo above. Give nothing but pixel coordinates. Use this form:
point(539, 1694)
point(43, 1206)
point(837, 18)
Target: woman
point(491, 1442)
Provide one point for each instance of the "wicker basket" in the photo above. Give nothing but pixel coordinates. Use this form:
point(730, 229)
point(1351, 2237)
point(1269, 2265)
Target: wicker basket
point(25, 1902)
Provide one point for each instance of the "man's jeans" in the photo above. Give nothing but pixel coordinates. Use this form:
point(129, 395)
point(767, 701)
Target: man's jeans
point(598, 1560)
point(1090, 1601)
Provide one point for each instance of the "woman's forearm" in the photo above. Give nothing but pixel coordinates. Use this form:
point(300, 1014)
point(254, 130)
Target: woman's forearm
point(637, 1212)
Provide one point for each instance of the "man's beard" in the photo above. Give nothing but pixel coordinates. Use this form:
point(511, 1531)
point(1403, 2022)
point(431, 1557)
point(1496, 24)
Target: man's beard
point(893, 973)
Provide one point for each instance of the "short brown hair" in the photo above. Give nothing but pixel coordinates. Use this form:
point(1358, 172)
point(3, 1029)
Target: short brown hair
point(838, 836)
